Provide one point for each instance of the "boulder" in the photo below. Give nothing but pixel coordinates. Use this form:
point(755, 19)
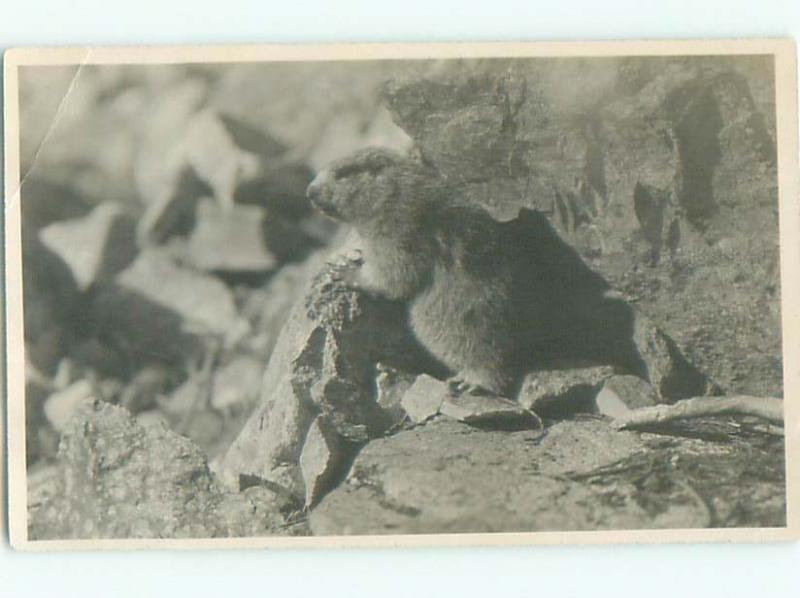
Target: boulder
point(447, 477)
point(118, 479)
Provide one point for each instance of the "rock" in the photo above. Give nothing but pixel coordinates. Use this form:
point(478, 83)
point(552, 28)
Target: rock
point(52, 301)
point(446, 477)
point(391, 386)
point(152, 418)
point(221, 158)
point(347, 134)
point(424, 398)
point(87, 141)
point(229, 239)
point(490, 412)
point(94, 247)
point(307, 106)
point(160, 160)
point(668, 371)
point(619, 394)
point(41, 440)
point(172, 210)
point(118, 479)
point(237, 383)
point(142, 392)
point(43, 202)
point(267, 307)
point(562, 390)
point(323, 458)
point(157, 312)
point(60, 407)
point(323, 363)
point(202, 303)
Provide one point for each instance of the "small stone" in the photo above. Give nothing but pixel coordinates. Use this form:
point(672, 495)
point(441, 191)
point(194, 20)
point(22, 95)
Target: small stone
point(620, 394)
point(564, 389)
point(424, 398)
point(322, 458)
point(229, 239)
point(61, 406)
point(391, 385)
point(95, 246)
point(489, 411)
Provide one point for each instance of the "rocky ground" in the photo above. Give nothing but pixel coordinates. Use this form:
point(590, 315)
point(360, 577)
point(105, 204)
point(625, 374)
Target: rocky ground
point(198, 366)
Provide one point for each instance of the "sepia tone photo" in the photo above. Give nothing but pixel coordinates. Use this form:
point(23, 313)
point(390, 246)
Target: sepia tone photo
point(398, 294)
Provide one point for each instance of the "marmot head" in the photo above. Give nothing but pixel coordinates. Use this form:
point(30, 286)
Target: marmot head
point(374, 186)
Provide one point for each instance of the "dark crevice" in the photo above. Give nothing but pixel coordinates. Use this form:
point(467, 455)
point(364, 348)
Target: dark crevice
point(697, 135)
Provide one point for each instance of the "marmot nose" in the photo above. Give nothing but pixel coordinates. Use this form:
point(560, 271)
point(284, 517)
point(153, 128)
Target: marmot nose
point(315, 187)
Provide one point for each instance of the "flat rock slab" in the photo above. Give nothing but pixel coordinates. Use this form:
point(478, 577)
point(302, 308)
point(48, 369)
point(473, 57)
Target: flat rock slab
point(491, 412)
point(448, 477)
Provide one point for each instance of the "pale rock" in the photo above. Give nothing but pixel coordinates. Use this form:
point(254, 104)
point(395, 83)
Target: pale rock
point(490, 411)
point(204, 304)
point(424, 398)
point(237, 383)
point(229, 239)
point(322, 458)
point(95, 246)
point(60, 407)
point(391, 386)
point(621, 393)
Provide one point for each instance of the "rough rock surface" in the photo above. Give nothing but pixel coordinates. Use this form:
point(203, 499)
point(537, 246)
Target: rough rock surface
point(324, 363)
point(660, 172)
point(447, 477)
point(117, 479)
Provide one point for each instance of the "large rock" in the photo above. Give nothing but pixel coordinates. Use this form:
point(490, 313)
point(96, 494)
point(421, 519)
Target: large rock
point(158, 311)
point(659, 171)
point(324, 363)
point(118, 479)
point(446, 477)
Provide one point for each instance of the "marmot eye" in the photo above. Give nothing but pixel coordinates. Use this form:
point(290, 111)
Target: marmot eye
point(371, 163)
point(349, 170)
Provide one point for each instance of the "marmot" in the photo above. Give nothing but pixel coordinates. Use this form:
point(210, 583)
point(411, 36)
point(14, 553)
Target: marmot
point(490, 300)
point(445, 260)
